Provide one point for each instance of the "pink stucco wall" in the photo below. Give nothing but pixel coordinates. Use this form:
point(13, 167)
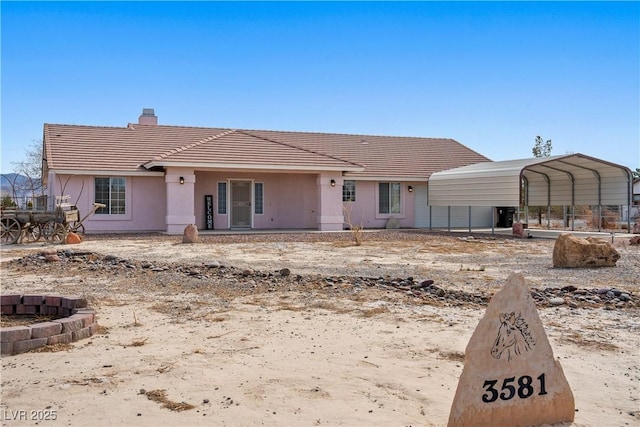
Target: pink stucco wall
point(289, 199)
point(364, 211)
point(145, 203)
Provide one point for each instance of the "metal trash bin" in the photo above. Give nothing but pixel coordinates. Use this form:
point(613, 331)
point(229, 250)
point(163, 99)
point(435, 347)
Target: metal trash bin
point(505, 216)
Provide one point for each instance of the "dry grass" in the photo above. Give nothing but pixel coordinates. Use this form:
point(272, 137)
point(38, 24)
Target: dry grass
point(374, 312)
point(166, 368)
point(454, 356)
point(215, 318)
point(580, 341)
point(53, 348)
point(160, 396)
point(136, 343)
point(285, 306)
point(7, 320)
point(330, 306)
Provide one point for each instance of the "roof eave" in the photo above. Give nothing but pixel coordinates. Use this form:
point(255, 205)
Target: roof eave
point(235, 166)
point(385, 178)
point(106, 172)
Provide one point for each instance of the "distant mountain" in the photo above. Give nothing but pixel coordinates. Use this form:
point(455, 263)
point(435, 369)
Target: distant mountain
point(13, 181)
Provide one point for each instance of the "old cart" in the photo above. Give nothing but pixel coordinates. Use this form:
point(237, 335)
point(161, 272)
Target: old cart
point(32, 225)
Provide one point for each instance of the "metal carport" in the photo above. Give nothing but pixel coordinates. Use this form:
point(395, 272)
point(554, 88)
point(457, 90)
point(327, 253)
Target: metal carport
point(566, 180)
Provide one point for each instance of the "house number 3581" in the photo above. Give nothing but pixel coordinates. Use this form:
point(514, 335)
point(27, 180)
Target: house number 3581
point(523, 387)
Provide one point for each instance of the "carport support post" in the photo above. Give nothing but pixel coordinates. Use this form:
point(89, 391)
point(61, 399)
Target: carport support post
point(493, 219)
point(469, 219)
point(449, 218)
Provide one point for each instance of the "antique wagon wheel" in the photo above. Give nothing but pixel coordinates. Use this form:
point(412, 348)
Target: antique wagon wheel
point(10, 231)
point(32, 233)
point(76, 227)
point(54, 232)
point(80, 229)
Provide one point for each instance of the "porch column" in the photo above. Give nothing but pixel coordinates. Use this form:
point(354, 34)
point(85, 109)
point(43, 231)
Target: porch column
point(330, 214)
point(180, 199)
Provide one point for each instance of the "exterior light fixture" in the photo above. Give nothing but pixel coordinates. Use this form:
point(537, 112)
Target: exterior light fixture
point(410, 188)
point(333, 182)
point(181, 180)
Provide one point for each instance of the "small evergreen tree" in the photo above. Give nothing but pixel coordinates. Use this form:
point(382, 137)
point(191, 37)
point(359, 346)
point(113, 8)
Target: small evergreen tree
point(541, 148)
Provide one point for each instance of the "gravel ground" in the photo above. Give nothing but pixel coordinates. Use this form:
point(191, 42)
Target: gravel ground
point(467, 268)
point(254, 315)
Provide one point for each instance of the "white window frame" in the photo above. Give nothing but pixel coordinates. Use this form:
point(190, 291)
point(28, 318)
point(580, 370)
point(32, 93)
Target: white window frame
point(391, 185)
point(127, 200)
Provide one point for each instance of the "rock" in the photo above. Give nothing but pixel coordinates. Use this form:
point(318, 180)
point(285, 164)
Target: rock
point(393, 223)
point(510, 375)
point(51, 258)
point(635, 240)
point(570, 251)
point(636, 227)
point(285, 272)
point(190, 234)
point(73, 239)
point(518, 230)
point(624, 297)
point(556, 301)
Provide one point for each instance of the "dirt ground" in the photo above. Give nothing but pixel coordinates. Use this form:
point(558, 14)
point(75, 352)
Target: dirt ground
point(305, 329)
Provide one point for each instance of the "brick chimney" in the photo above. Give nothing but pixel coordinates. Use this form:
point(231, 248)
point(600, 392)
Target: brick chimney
point(148, 117)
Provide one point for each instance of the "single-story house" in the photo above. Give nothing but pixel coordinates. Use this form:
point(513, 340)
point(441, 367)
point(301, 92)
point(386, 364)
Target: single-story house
point(154, 177)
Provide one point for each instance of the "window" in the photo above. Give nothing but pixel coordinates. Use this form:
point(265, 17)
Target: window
point(389, 197)
point(258, 195)
point(349, 191)
point(111, 192)
point(222, 198)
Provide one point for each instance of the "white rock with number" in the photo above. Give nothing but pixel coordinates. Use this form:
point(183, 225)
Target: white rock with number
point(510, 376)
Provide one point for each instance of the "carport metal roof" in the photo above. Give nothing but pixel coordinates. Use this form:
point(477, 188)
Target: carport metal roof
point(572, 179)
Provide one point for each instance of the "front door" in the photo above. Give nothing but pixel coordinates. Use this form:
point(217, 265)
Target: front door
point(241, 204)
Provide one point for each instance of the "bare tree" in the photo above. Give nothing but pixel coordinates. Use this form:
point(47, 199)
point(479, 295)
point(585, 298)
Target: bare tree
point(356, 229)
point(31, 169)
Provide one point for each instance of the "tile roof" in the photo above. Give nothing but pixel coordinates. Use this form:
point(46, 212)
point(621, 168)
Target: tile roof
point(137, 148)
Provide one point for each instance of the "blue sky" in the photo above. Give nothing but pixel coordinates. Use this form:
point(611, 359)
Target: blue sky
point(491, 75)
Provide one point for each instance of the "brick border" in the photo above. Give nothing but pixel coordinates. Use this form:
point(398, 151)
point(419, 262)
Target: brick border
point(79, 321)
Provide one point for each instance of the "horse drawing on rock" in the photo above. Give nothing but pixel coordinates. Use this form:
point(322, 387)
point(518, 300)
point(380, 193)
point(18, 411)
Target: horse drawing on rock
point(513, 336)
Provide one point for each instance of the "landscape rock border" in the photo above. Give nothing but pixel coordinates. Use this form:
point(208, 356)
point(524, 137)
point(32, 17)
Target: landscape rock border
point(78, 322)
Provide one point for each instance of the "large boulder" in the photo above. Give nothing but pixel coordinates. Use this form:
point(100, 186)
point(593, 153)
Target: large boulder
point(190, 234)
point(510, 376)
point(574, 252)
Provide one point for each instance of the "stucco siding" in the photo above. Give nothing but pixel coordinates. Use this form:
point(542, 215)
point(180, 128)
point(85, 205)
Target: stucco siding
point(364, 211)
point(289, 200)
point(145, 203)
